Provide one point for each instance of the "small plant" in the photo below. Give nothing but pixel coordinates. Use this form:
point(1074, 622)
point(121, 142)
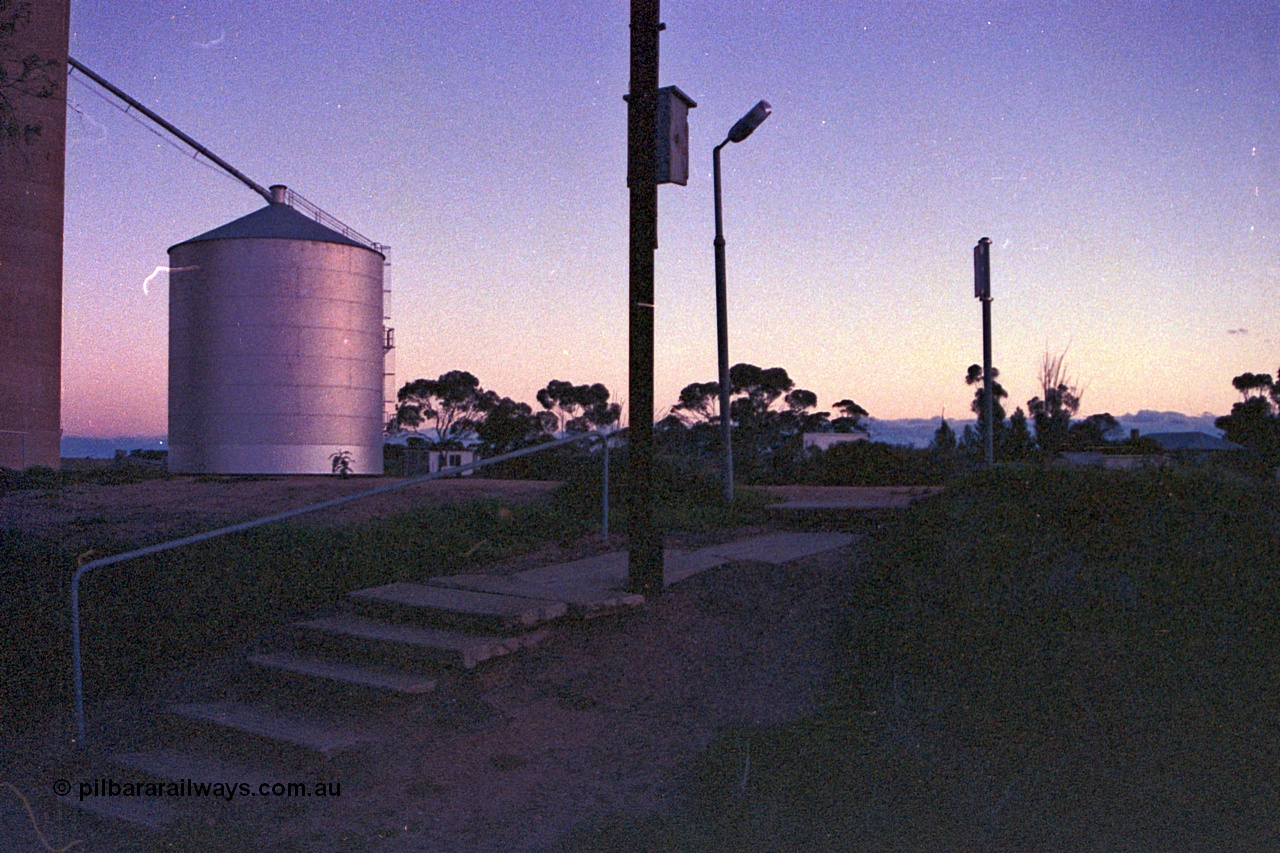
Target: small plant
point(341, 463)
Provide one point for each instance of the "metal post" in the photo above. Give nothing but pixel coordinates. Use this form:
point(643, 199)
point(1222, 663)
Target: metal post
point(76, 674)
point(988, 379)
point(722, 338)
point(644, 570)
point(982, 290)
point(604, 501)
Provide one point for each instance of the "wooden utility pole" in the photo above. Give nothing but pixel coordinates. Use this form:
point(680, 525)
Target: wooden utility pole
point(644, 571)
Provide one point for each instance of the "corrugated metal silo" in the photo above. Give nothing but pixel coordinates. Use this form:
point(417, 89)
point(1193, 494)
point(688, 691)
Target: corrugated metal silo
point(31, 203)
point(275, 348)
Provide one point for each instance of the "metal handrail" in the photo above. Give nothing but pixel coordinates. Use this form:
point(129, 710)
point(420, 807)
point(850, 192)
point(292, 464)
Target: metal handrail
point(294, 199)
point(82, 570)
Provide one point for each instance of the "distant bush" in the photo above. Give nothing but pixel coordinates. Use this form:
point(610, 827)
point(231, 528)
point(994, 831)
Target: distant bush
point(42, 477)
point(1247, 463)
point(556, 464)
point(687, 493)
point(874, 463)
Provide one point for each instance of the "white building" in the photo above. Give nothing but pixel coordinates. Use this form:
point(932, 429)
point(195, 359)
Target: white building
point(825, 440)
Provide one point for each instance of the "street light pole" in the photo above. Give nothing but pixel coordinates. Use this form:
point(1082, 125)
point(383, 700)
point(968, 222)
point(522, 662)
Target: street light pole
point(722, 339)
point(740, 131)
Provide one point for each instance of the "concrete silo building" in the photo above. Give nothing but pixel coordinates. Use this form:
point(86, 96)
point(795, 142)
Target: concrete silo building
point(31, 204)
point(275, 348)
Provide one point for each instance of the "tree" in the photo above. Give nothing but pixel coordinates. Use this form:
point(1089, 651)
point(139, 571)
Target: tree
point(944, 438)
point(767, 409)
point(1260, 383)
point(974, 376)
point(1253, 425)
point(454, 403)
point(851, 415)
point(509, 425)
point(20, 76)
point(1018, 443)
point(699, 403)
point(1092, 431)
point(758, 427)
point(799, 400)
point(1060, 400)
point(756, 390)
point(796, 417)
point(579, 408)
point(1255, 421)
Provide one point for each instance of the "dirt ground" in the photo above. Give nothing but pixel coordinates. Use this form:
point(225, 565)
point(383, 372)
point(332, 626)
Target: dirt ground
point(151, 510)
point(605, 717)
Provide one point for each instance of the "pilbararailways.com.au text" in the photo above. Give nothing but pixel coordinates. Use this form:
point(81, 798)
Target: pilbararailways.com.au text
point(190, 788)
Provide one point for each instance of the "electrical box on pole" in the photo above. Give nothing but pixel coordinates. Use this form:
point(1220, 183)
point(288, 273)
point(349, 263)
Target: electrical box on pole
point(672, 161)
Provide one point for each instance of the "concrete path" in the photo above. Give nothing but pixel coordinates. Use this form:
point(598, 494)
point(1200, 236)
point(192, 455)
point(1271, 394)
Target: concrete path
point(779, 548)
point(596, 584)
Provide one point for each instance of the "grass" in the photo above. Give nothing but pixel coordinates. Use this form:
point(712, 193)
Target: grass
point(184, 606)
point(1039, 659)
point(687, 494)
point(41, 477)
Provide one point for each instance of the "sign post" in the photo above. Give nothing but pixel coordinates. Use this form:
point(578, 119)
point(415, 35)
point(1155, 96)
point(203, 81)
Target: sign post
point(982, 290)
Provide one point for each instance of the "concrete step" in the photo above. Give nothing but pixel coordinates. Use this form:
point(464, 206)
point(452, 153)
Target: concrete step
point(347, 673)
point(273, 725)
point(585, 600)
point(505, 612)
point(152, 813)
point(188, 767)
point(449, 647)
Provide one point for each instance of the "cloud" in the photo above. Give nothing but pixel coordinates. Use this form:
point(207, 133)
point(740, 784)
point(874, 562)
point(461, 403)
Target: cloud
point(87, 122)
point(209, 45)
point(1237, 331)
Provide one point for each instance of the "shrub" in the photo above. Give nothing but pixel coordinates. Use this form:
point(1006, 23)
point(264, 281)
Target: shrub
point(874, 463)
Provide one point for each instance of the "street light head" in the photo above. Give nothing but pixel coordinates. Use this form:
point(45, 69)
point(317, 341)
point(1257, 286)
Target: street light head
point(750, 122)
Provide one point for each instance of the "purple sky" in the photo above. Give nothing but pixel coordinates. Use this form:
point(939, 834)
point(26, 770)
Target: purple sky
point(1123, 157)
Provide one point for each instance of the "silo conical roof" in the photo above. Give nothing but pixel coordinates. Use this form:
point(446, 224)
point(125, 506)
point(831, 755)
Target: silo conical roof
point(278, 222)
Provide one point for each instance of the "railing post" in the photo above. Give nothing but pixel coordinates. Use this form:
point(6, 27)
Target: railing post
point(605, 499)
point(75, 656)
